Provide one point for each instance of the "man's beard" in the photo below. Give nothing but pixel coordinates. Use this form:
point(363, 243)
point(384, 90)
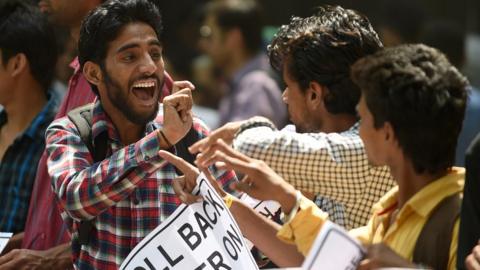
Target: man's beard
point(118, 99)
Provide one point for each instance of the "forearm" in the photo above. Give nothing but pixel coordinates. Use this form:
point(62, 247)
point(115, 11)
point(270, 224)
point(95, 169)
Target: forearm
point(262, 232)
point(59, 257)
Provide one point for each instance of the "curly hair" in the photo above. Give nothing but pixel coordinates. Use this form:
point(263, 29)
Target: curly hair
point(322, 48)
point(422, 95)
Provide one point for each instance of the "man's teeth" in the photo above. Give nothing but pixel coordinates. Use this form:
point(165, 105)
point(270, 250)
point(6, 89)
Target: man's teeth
point(144, 85)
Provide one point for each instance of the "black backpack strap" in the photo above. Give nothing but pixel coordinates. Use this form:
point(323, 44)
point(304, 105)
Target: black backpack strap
point(81, 117)
point(182, 147)
point(433, 244)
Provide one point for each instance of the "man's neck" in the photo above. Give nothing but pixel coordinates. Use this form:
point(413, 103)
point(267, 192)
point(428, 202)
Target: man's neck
point(338, 123)
point(409, 181)
point(29, 100)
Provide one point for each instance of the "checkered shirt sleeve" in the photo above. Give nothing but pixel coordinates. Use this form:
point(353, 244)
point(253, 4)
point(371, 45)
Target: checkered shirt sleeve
point(332, 165)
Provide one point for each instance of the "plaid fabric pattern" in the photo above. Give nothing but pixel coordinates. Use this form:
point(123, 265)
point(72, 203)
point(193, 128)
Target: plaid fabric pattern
point(335, 210)
point(127, 195)
point(18, 167)
point(332, 165)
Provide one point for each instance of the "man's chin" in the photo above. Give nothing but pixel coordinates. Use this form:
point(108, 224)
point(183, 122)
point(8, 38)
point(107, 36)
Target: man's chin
point(142, 119)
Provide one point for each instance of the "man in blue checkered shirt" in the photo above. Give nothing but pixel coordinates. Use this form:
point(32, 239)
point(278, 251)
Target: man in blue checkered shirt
point(26, 73)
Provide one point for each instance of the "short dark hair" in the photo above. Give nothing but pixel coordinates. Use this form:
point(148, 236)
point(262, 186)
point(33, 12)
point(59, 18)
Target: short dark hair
point(103, 24)
point(246, 15)
point(24, 29)
point(322, 48)
point(422, 95)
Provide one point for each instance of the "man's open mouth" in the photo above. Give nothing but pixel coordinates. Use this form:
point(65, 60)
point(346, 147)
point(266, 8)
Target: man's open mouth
point(145, 91)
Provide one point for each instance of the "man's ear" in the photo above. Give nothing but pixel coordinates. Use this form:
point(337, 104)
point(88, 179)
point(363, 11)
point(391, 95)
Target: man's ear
point(17, 64)
point(92, 73)
point(315, 94)
point(389, 133)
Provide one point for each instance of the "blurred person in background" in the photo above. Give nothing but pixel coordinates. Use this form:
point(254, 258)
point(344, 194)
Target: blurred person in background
point(401, 21)
point(26, 75)
point(232, 36)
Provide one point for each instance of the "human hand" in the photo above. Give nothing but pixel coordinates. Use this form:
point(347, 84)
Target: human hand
point(184, 185)
point(24, 259)
point(472, 262)
point(177, 111)
point(260, 181)
point(225, 132)
point(380, 255)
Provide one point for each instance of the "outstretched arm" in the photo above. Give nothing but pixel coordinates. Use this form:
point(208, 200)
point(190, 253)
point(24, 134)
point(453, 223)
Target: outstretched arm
point(258, 229)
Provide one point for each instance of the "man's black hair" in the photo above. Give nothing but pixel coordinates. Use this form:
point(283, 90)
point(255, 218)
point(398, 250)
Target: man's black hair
point(103, 24)
point(24, 29)
point(321, 49)
point(422, 95)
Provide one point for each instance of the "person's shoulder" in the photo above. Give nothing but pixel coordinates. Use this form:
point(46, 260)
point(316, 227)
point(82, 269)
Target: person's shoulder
point(62, 123)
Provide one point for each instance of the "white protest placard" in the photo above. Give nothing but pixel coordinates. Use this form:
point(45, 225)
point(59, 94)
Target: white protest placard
point(264, 208)
point(199, 236)
point(334, 249)
point(4, 238)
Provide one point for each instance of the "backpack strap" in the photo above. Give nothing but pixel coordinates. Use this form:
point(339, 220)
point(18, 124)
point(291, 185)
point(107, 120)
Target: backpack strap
point(433, 244)
point(181, 147)
point(81, 117)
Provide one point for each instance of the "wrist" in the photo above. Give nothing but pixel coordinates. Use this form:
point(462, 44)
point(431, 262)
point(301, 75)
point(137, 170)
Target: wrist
point(286, 215)
point(228, 199)
point(286, 196)
point(164, 139)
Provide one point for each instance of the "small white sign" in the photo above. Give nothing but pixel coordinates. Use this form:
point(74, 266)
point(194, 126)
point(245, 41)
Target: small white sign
point(4, 238)
point(334, 249)
point(264, 208)
point(202, 235)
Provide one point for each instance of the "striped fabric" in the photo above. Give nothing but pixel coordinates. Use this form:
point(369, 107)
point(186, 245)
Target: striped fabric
point(127, 195)
point(18, 167)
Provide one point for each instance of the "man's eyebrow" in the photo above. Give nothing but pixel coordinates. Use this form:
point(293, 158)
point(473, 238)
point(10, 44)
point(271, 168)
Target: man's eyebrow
point(155, 42)
point(135, 45)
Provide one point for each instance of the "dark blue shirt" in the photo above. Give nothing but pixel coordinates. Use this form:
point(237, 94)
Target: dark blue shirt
point(19, 165)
